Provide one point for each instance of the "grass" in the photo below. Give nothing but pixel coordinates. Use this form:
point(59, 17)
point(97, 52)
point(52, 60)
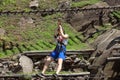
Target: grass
point(7, 53)
point(40, 37)
point(117, 14)
point(84, 3)
point(13, 5)
point(48, 4)
point(24, 4)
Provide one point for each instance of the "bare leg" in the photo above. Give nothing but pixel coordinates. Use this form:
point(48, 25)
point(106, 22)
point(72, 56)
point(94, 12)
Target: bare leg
point(60, 61)
point(48, 60)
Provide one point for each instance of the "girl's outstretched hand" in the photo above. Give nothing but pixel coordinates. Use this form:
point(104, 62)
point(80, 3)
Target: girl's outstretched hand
point(59, 22)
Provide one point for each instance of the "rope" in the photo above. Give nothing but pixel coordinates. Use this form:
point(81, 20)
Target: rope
point(49, 11)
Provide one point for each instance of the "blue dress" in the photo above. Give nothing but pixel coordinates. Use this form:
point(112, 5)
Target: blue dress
point(60, 50)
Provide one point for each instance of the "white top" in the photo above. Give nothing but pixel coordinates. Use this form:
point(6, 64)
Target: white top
point(62, 40)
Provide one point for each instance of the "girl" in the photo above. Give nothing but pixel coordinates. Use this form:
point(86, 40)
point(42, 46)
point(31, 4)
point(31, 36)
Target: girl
point(59, 51)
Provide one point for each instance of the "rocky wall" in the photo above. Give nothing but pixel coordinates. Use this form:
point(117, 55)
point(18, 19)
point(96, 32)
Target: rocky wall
point(113, 2)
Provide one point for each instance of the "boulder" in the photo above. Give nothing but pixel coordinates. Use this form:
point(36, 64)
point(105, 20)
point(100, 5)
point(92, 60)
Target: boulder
point(26, 63)
point(82, 20)
point(106, 40)
point(34, 4)
point(64, 4)
point(104, 46)
point(112, 2)
point(26, 22)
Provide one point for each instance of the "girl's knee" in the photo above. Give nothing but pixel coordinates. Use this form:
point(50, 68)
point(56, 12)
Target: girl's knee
point(60, 61)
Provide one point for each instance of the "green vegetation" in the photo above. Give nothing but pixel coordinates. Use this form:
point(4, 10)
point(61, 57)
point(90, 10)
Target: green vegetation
point(43, 4)
point(116, 14)
point(13, 4)
point(48, 4)
point(84, 3)
point(40, 35)
point(23, 4)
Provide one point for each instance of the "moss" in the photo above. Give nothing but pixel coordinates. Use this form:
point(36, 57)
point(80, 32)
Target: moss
point(40, 36)
point(84, 3)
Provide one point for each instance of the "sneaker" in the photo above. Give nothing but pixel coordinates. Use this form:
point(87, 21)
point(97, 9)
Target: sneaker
point(40, 75)
point(55, 76)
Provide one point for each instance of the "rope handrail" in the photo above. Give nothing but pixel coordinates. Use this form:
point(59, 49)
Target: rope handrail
point(75, 9)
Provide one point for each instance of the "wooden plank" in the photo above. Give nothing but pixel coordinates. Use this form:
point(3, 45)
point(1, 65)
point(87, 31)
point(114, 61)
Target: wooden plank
point(68, 75)
point(116, 54)
point(20, 76)
point(38, 53)
point(113, 58)
point(11, 76)
point(73, 74)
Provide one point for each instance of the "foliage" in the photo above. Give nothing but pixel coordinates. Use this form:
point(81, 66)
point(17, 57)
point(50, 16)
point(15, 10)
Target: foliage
point(13, 4)
point(40, 37)
point(116, 14)
point(48, 4)
point(84, 3)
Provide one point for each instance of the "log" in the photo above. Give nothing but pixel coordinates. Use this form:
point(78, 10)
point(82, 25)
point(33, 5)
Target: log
point(73, 74)
point(12, 76)
point(44, 53)
point(113, 58)
point(68, 75)
point(21, 77)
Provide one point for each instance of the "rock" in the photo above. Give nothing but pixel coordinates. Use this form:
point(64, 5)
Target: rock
point(15, 68)
point(73, 56)
point(76, 0)
point(81, 21)
point(77, 60)
point(1, 65)
point(64, 4)
point(3, 72)
point(52, 66)
point(29, 20)
point(84, 63)
point(105, 41)
point(78, 70)
point(104, 46)
point(26, 22)
point(81, 78)
point(26, 63)
point(2, 33)
point(112, 2)
point(34, 4)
